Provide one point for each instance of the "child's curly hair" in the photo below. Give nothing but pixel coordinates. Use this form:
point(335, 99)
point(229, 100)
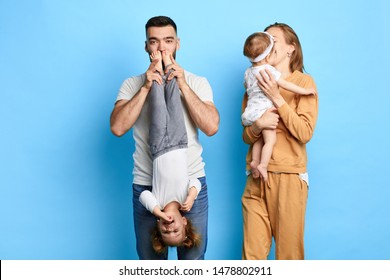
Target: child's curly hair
point(192, 239)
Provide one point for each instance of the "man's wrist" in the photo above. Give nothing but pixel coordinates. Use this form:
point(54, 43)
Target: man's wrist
point(144, 90)
point(183, 86)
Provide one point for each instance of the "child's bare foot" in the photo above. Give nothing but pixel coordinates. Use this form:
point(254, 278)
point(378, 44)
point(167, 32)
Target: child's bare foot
point(156, 55)
point(166, 58)
point(254, 170)
point(263, 172)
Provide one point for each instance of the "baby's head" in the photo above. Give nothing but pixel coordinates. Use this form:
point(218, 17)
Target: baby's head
point(178, 232)
point(258, 46)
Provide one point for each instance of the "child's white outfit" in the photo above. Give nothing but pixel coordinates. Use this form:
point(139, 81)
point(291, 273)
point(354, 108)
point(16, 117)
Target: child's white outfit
point(258, 102)
point(172, 184)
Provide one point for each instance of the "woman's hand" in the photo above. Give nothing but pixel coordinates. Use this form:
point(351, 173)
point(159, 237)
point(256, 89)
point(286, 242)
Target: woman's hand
point(269, 120)
point(270, 87)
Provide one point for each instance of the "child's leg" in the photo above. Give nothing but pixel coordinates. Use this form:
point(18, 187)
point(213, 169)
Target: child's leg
point(256, 152)
point(167, 128)
point(176, 129)
point(158, 119)
point(158, 112)
point(269, 142)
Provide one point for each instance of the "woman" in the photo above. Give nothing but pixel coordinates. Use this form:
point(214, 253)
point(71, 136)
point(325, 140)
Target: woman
point(277, 208)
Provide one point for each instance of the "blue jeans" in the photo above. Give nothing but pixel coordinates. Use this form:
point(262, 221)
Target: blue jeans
point(144, 222)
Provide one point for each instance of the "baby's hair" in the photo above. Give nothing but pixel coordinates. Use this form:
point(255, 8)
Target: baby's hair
point(256, 44)
point(192, 239)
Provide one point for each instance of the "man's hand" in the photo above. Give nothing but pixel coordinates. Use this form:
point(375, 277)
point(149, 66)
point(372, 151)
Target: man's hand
point(153, 74)
point(177, 72)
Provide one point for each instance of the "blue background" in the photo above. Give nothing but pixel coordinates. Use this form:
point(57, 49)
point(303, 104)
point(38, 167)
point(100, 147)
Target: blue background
point(65, 180)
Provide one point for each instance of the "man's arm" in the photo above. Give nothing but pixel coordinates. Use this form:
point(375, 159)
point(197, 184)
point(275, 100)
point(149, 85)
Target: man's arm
point(203, 113)
point(126, 112)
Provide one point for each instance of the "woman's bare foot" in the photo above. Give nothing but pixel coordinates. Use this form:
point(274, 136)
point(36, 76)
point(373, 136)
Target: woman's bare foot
point(263, 172)
point(254, 170)
point(156, 55)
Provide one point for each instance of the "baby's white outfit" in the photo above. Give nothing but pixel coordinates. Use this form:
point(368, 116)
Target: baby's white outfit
point(258, 102)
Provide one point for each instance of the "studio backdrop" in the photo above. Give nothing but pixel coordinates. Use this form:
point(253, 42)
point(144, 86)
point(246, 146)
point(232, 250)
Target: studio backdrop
point(65, 180)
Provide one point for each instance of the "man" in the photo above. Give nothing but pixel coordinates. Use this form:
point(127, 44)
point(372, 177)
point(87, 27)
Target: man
point(131, 111)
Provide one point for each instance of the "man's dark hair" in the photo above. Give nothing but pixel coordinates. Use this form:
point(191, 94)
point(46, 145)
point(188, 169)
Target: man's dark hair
point(160, 21)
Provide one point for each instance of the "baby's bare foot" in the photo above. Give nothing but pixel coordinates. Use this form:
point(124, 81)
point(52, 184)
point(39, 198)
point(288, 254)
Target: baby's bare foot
point(156, 55)
point(166, 58)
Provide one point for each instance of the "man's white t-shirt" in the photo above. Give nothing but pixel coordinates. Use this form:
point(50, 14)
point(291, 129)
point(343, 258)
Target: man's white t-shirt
point(143, 166)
